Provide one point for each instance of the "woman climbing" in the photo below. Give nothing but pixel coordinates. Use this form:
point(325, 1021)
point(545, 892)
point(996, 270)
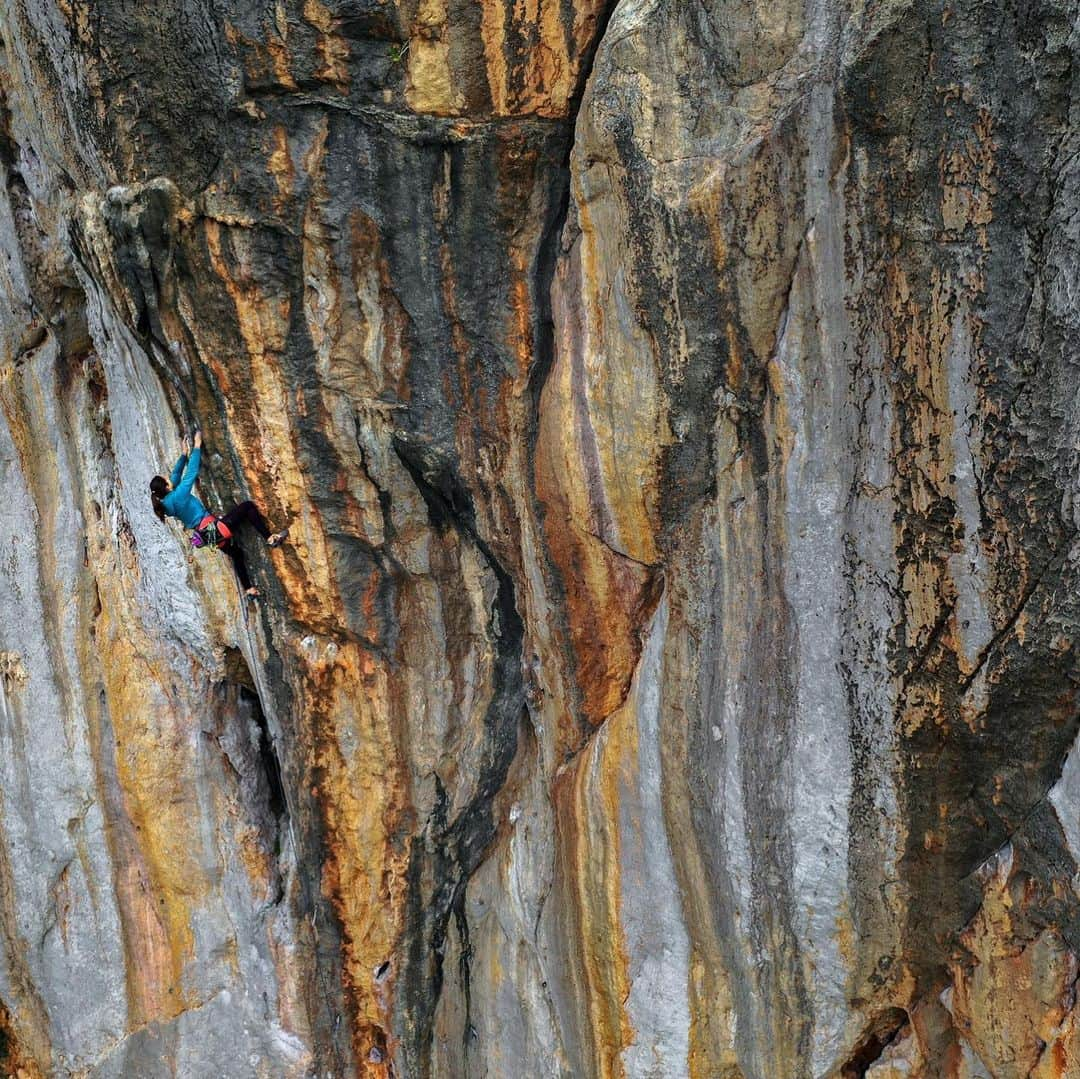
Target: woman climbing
point(173, 498)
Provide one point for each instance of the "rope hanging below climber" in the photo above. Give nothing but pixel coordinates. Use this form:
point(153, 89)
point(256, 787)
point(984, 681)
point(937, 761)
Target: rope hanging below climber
point(174, 497)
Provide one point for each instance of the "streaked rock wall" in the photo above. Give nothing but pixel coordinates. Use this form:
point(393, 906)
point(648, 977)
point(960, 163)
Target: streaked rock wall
point(671, 671)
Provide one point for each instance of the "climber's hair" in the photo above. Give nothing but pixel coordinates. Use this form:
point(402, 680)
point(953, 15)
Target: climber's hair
point(159, 488)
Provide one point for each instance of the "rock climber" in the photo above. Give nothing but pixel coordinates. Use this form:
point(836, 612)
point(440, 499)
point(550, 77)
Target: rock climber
point(173, 498)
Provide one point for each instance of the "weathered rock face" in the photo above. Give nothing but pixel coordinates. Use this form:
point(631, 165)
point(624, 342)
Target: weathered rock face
point(671, 670)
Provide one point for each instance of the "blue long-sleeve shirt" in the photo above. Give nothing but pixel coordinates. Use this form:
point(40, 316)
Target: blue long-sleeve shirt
point(180, 502)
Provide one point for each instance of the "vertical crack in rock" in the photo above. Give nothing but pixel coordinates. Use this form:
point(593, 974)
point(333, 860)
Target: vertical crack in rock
point(258, 774)
point(277, 803)
point(550, 242)
point(550, 251)
point(249, 709)
point(447, 852)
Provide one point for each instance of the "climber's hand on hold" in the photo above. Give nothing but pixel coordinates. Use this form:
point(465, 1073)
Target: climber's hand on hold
point(198, 440)
point(185, 446)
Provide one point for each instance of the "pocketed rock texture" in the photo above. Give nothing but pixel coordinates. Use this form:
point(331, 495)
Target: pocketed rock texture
point(671, 670)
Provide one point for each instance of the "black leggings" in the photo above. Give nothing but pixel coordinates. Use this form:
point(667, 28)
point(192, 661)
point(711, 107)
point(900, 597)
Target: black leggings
point(245, 513)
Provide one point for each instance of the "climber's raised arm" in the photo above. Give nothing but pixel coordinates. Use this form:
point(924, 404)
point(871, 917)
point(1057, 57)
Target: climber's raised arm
point(191, 471)
point(178, 468)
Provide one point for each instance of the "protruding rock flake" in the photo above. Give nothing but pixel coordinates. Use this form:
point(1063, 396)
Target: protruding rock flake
point(670, 668)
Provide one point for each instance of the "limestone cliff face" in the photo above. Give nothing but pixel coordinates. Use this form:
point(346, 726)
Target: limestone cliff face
point(672, 670)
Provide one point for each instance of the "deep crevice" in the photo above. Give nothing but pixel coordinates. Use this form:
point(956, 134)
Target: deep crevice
point(547, 260)
point(268, 758)
point(548, 248)
point(263, 750)
point(882, 1031)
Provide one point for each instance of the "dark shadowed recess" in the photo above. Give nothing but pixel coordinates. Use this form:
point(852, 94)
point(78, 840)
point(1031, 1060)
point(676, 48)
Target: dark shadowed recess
point(447, 852)
point(885, 1028)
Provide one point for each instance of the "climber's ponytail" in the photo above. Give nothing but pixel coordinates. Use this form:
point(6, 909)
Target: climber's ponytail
point(159, 488)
